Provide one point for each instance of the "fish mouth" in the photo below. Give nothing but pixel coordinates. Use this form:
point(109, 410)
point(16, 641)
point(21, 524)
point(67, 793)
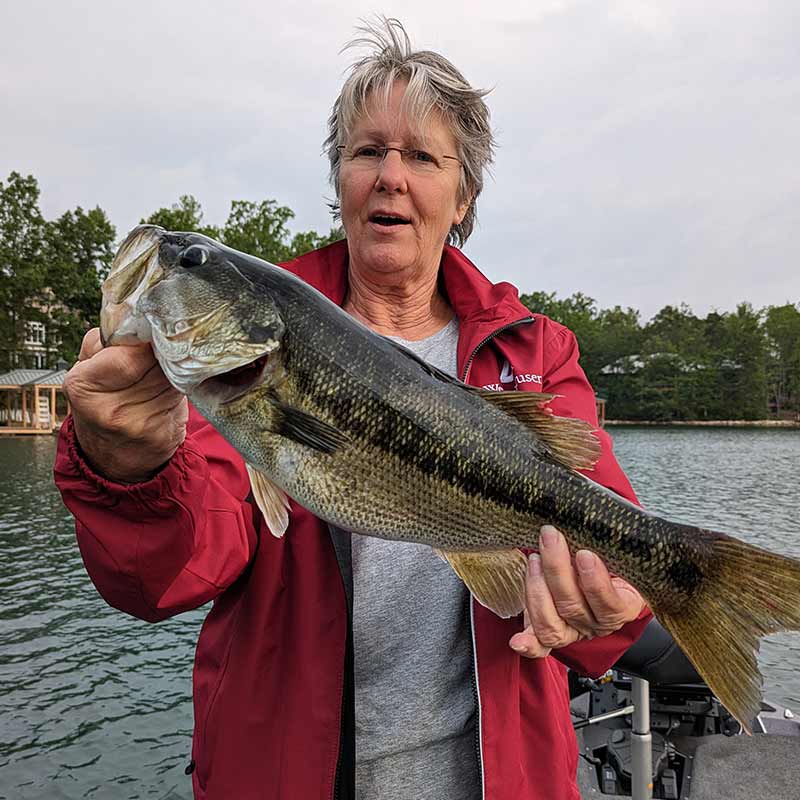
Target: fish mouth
point(225, 387)
point(135, 269)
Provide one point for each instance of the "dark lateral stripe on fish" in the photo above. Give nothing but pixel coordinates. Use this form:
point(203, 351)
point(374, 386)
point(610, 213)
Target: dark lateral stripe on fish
point(686, 576)
point(378, 424)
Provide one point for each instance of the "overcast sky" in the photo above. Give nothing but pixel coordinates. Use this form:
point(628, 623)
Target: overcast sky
point(649, 152)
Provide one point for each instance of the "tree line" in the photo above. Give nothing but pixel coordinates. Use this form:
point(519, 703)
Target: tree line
point(739, 365)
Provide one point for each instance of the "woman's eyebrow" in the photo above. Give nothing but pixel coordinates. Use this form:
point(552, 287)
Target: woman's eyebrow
point(371, 133)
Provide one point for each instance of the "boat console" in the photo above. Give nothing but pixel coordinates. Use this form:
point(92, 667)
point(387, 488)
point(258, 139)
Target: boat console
point(689, 746)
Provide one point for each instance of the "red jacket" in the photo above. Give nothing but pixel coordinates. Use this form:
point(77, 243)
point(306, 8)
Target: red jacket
point(270, 670)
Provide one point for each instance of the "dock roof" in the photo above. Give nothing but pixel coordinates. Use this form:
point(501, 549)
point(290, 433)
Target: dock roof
point(32, 377)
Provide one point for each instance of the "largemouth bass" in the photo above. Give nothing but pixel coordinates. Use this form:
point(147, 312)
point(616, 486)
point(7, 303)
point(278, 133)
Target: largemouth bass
point(370, 438)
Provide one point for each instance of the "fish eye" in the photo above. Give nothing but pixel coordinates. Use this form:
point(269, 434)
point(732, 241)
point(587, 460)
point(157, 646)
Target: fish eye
point(194, 256)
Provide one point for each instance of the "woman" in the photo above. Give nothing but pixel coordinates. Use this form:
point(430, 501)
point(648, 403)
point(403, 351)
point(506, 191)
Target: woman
point(333, 665)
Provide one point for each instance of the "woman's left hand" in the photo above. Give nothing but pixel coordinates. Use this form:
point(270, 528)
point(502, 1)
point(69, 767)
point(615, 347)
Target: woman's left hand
point(567, 601)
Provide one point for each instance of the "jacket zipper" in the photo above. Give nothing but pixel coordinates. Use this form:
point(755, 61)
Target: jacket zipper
point(477, 695)
point(337, 781)
point(489, 338)
point(346, 736)
point(343, 783)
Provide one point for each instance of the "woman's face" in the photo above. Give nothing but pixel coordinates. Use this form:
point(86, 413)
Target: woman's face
point(424, 206)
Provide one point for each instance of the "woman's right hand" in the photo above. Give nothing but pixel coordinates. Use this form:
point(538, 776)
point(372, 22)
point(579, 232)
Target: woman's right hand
point(129, 420)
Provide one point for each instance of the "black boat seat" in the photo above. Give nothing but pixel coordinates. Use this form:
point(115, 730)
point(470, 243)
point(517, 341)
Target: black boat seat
point(656, 657)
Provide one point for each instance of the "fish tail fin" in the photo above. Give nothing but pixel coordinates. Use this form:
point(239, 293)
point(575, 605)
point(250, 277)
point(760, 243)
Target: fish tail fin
point(751, 593)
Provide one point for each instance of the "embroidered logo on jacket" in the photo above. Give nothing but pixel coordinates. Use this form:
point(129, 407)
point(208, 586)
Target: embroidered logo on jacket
point(507, 376)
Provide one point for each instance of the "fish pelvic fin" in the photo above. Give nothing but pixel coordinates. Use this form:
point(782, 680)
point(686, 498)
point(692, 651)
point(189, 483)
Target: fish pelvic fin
point(571, 442)
point(751, 593)
point(271, 500)
point(496, 578)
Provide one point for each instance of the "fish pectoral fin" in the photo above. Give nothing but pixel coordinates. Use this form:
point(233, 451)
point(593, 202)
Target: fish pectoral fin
point(307, 429)
point(571, 442)
point(271, 500)
point(496, 578)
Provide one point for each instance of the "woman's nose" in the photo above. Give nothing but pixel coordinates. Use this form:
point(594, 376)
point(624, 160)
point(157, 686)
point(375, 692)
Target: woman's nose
point(392, 172)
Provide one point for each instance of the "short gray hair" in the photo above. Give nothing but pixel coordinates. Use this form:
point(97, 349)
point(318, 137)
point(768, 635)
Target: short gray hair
point(433, 84)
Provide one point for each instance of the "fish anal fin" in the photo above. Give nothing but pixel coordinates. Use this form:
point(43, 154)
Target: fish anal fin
point(496, 578)
point(746, 593)
point(571, 442)
point(271, 500)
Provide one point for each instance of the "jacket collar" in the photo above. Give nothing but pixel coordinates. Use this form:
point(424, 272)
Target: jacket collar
point(475, 299)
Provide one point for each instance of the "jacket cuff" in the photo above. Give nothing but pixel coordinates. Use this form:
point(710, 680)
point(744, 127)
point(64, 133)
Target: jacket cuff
point(72, 468)
point(593, 657)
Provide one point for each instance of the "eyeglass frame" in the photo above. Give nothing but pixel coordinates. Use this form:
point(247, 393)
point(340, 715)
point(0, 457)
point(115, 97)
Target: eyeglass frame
point(342, 148)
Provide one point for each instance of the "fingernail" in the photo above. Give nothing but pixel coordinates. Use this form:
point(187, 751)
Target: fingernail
point(585, 561)
point(534, 565)
point(548, 536)
point(517, 648)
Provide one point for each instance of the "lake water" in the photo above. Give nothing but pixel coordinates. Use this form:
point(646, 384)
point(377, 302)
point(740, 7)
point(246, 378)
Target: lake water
point(96, 704)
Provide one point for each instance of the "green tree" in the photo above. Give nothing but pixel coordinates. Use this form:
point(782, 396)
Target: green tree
point(185, 215)
point(259, 229)
point(311, 240)
point(676, 330)
point(262, 230)
point(80, 248)
point(22, 273)
point(782, 324)
point(743, 368)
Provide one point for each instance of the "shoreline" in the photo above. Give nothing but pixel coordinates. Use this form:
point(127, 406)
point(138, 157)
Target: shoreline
point(712, 423)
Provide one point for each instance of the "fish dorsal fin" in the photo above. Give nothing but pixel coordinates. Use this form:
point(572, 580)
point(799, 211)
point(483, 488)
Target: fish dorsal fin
point(496, 578)
point(271, 500)
point(571, 442)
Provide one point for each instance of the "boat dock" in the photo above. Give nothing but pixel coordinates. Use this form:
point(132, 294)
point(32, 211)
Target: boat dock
point(32, 402)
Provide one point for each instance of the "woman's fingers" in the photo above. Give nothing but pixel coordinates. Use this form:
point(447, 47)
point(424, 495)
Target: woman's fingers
point(128, 419)
point(566, 601)
point(558, 572)
point(90, 345)
point(613, 601)
point(528, 645)
point(549, 626)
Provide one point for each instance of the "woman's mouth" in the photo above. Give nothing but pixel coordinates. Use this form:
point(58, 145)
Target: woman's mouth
point(388, 220)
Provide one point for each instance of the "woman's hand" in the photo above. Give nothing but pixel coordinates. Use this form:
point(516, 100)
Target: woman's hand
point(568, 601)
point(128, 418)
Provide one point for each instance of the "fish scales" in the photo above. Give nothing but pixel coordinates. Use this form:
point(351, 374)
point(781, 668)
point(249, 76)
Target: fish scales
point(368, 437)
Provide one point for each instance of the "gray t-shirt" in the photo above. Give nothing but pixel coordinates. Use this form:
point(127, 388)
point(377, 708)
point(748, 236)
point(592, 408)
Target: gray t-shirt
point(416, 717)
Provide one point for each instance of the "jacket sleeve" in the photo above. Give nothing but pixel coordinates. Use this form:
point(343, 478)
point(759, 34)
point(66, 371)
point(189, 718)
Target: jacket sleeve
point(169, 544)
point(565, 377)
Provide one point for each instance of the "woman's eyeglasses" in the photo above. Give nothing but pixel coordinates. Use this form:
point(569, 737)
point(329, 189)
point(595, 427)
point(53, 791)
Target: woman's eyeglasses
point(371, 156)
